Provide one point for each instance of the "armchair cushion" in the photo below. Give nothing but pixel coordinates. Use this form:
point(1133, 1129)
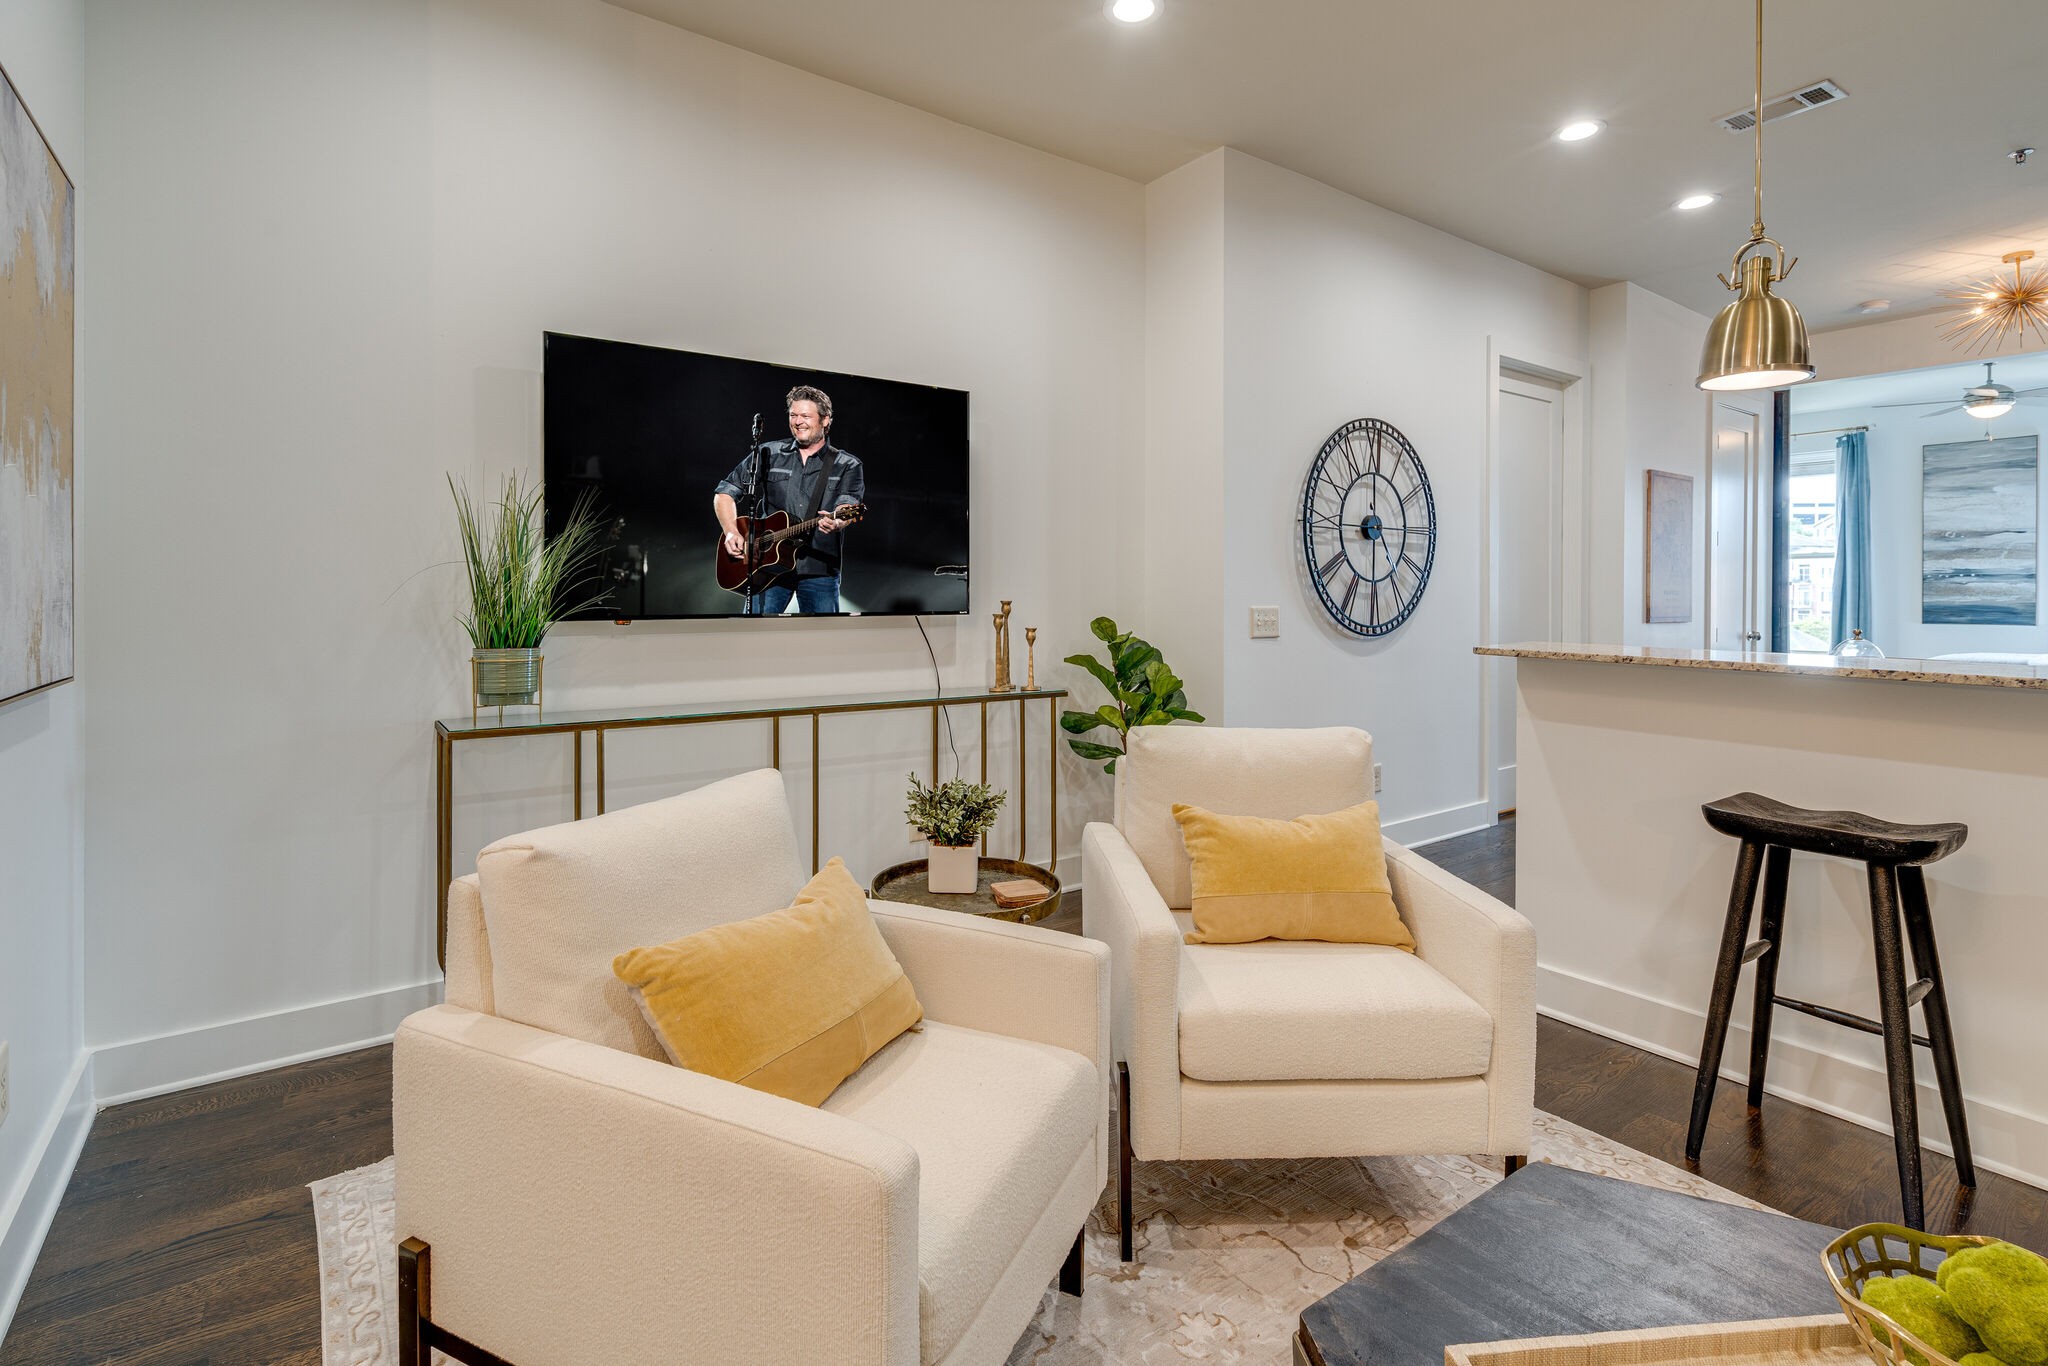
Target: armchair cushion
point(1303, 1011)
point(791, 1002)
point(1275, 773)
point(1320, 876)
point(561, 902)
point(998, 1125)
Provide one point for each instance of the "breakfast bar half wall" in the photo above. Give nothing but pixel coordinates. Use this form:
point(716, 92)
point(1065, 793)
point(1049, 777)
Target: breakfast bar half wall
point(1628, 887)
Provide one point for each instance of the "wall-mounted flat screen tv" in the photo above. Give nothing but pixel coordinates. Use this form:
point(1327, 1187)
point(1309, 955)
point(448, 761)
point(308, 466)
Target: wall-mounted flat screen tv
point(735, 488)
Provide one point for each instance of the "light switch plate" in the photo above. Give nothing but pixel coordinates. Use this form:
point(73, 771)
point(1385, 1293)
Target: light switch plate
point(1265, 623)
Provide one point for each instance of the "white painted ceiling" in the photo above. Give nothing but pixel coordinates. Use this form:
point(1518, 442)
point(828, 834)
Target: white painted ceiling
point(1443, 111)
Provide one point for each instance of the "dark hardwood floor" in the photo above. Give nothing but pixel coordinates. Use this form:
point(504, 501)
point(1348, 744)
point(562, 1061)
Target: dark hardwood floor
point(186, 1235)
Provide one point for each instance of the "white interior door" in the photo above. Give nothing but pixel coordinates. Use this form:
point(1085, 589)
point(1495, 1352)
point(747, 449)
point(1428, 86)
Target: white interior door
point(1732, 532)
point(1528, 571)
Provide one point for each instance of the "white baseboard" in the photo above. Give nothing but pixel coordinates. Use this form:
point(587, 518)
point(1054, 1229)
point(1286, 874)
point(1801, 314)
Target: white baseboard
point(23, 1227)
point(235, 1048)
point(1440, 825)
point(2003, 1140)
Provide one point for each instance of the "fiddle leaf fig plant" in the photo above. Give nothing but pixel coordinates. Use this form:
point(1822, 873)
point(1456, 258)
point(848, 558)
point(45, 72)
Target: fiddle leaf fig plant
point(1143, 691)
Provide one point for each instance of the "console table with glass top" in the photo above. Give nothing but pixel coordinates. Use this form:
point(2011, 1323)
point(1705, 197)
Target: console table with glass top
point(576, 723)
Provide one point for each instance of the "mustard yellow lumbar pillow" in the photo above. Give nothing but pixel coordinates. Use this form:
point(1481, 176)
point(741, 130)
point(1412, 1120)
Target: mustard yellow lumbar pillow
point(791, 1002)
point(1316, 877)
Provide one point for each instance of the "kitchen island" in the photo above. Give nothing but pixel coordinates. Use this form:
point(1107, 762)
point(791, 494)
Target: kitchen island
point(1618, 746)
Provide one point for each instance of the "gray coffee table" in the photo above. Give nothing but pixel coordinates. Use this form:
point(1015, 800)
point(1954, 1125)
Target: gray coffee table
point(1551, 1251)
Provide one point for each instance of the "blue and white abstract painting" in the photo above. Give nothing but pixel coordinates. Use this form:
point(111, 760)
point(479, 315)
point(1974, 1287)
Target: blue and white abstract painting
point(1979, 532)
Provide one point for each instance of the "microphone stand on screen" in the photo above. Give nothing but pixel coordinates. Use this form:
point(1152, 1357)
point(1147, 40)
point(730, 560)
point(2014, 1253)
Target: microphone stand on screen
point(759, 500)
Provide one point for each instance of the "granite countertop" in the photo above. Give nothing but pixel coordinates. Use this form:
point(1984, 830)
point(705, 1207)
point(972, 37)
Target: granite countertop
point(1978, 675)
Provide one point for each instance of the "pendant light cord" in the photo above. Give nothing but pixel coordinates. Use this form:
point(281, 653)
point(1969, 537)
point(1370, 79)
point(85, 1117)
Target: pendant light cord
point(1756, 230)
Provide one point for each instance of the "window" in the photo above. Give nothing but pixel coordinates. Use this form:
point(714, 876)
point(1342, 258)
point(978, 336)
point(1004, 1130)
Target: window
point(1810, 552)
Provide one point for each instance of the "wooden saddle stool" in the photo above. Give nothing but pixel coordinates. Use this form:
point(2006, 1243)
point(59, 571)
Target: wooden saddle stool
point(1893, 854)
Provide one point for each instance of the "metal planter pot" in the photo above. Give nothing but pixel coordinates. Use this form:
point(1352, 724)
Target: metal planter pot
point(506, 678)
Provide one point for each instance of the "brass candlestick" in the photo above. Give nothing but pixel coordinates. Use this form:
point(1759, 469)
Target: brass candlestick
point(1031, 659)
point(1003, 683)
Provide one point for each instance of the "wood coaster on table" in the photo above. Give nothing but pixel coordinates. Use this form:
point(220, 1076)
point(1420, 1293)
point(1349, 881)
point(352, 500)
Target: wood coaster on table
point(1017, 892)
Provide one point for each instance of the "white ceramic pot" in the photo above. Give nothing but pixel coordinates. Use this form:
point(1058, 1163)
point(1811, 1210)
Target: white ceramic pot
point(953, 871)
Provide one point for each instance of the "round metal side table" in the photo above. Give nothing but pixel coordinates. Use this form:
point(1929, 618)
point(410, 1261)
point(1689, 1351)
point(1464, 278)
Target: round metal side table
point(906, 882)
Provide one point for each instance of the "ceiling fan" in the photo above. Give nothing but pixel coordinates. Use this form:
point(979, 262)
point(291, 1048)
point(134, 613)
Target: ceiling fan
point(1986, 400)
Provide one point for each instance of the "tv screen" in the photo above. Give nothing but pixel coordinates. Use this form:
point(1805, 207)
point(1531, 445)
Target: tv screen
point(851, 500)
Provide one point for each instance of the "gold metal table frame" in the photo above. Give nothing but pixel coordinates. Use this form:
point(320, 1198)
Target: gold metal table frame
point(447, 734)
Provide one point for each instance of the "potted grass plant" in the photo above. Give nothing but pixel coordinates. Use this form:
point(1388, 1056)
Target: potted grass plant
point(952, 817)
point(521, 583)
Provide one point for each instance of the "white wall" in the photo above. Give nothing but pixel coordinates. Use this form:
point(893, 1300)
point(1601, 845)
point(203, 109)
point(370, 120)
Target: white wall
point(1648, 414)
point(1894, 445)
point(1337, 309)
point(1878, 348)
point(1182, 493)
point(310, 315)
point(42, 46)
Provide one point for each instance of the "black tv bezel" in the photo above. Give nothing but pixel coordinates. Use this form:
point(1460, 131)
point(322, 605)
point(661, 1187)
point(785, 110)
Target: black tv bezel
point(803, 374)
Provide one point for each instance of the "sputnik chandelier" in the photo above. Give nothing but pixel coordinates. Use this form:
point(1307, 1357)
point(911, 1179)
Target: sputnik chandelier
point(1999, 308)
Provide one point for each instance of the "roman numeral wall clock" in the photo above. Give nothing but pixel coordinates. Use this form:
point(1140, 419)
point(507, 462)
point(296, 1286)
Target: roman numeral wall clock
point(1368, 527)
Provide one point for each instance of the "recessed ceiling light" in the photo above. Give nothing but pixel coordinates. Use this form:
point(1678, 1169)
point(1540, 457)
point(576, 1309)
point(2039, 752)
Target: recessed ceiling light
point(1133, 11)
point(1873, 305)
point(1695, 201)
point(1580, 131)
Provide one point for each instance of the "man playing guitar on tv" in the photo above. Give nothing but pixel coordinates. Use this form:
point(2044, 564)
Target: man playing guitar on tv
point(789, 473)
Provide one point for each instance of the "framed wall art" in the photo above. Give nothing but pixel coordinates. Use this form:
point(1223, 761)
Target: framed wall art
point(1979, 532)
point(37, 326)
point(1667, 548)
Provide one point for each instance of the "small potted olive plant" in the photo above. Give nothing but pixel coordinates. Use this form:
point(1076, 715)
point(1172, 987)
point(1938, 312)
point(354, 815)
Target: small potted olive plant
point(952, 817)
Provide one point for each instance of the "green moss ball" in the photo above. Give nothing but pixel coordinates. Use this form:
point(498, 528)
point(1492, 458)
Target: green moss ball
point(1919, 1306)
point(1981, 1359)
point(2001, 1291)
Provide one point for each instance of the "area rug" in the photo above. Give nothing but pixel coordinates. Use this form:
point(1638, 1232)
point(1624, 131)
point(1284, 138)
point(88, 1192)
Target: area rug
point(1229, 1253)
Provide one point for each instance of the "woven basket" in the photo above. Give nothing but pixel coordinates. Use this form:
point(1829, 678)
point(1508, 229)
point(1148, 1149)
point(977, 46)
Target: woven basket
point(1862, 1255)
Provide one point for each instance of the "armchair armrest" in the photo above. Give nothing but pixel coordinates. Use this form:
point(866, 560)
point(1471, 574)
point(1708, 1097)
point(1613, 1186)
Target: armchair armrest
point(1003, 978)
point(1122, 908)
point(1488, 951)
point(587, 1205)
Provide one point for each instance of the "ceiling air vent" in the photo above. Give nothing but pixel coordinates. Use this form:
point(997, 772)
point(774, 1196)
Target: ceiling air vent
point(1786, 105)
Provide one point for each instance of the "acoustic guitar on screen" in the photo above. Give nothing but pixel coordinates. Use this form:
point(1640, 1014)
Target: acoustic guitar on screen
point(772, 544)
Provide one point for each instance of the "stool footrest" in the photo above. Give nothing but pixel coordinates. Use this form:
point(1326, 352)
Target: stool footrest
point(1757, 949)
point(1842, 1017)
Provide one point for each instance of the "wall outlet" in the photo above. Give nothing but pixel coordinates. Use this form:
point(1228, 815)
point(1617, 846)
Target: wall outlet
point(1375, 780)
point(3, 1083)
point(1265, 623)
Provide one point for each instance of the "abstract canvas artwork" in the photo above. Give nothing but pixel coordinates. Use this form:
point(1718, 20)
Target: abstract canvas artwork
point(36, 322)
point(1979, 532)
point(1667, 548)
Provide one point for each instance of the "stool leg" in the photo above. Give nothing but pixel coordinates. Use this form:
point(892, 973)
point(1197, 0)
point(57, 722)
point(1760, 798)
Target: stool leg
point(1926, 962)
point(1777, 868)
point(1898, 1036)
point(1741, 896)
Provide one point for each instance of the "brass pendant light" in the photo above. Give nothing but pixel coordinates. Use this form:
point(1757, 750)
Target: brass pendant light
point(1759, 341)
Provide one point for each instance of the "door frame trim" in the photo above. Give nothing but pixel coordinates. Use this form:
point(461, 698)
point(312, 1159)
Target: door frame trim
point(1570, 373)
point(1755, 511)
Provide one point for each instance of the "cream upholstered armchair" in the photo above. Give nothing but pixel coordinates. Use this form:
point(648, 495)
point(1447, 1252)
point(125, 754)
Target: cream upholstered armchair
point(1299, 1049)
point(583, 1201)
